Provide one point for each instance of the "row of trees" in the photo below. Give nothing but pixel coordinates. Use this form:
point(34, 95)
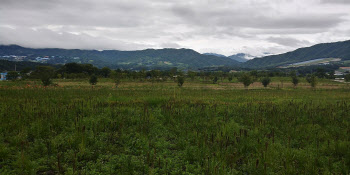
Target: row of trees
point(247, 80)
point(75, 70)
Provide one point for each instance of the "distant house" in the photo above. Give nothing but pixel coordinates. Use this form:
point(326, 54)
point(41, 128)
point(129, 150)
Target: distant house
point(345, 68)
point(338, 74)
point(40, 59)
point(3, 76)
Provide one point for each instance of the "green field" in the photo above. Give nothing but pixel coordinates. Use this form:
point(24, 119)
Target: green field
point(159, 128)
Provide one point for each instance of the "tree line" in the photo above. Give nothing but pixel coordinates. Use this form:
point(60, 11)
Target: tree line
point(88, 71)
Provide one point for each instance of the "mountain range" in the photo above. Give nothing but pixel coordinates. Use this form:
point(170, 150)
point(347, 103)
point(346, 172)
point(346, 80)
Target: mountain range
point(240, 57)
point(325, 50)
point(181, 58)
point(149, 58)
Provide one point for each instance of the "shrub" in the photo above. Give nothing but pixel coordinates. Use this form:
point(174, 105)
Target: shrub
point(45, 73)
point(312, 79)
point(347, 77)
point(265, 81)
point(295, 80)
point(180, 81)
point(215, 80)
point(308, 78)
point(105, 72)
point(246, 79)
point(46, 81)
point(93, 80)
point(230, 77)
point(12, 75)
point(117, 82)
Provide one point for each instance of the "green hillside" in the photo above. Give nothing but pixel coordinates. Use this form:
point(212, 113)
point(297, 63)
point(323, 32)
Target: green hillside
point(10, 65)
point(150, 58)
point(325, 50)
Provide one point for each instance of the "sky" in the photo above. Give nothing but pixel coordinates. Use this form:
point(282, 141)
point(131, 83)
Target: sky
point(218, 26)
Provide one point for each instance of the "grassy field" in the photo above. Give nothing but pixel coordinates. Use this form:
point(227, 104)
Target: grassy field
point(159, 128)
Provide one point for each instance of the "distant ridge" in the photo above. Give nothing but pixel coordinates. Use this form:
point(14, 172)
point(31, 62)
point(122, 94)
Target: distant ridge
point(325, 50)
point(149, 58)
point(241, 57)
point(181, 58)
point(214, 54)
point(12, 65)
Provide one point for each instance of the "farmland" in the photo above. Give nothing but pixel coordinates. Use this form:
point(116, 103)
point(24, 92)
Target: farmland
point(160, 128)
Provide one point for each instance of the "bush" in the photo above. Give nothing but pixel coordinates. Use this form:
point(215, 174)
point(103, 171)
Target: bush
point(116, 82)
point(347, 77)
point(93, 80)
point(312, 79)
point(246, 79)
point(44, 73)
point(46, 81)
point(230, 78)
point(180, 81)
point(308, 78)
point(215, 80)
point(12, 75)
point(295, 80)
point(105, 72)
point(265, 81)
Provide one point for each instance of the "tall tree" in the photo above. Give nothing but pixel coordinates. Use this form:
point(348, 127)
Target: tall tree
point(45, 74)
point(105, 71)
point(93, 80)
point(265, 81)
point(246, 79)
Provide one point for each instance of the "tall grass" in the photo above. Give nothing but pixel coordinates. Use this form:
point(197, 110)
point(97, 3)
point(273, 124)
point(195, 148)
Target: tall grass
point(161, 130)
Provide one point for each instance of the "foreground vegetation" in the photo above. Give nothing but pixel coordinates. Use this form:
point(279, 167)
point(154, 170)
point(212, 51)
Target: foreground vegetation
point(161, 128)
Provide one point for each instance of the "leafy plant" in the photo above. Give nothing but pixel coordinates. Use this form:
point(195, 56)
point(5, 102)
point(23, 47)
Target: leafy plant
point(180, 81)
point(215, 80)
point(312, 79)
point(347, 77)
point(45, 74)
point(93, 80)
point(295, 80)
point(246, 79)
point(265, 81)
point(12, 75)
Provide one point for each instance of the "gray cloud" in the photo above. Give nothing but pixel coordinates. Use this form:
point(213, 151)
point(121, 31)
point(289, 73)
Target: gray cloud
point(170, 45)
point(49, 39)
point(223, 25)
point(336, 1)
point(289, 42)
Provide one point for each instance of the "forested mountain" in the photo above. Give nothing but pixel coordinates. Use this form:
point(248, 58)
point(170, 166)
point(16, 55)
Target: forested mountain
point(325, 50)
point(181, 58)
point(240, 57)
point(215, 54)
point(11, 65)
point(150, 58)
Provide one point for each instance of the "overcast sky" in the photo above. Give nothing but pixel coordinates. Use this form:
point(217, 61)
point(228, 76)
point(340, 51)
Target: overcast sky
point(221, 26)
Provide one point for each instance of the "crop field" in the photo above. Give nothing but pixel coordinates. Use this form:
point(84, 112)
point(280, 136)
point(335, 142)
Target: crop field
point(314, 62)
point(160, 128)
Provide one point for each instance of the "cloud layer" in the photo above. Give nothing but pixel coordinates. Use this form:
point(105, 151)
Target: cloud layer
point(222, 26)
